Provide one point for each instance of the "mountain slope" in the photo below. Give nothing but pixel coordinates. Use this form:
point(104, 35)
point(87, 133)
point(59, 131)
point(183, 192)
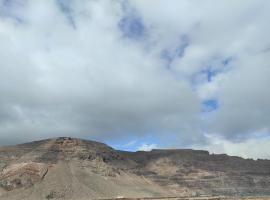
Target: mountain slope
point(202, 173)
point(68, 168)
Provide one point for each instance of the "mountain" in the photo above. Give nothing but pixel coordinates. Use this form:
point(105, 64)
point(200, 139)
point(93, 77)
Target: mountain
point(70, 168)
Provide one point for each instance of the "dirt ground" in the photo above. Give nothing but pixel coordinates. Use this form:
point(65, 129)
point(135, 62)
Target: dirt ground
point(201, 198)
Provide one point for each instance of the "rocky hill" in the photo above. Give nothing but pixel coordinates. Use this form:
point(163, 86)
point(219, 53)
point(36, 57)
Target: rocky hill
point(68, 168)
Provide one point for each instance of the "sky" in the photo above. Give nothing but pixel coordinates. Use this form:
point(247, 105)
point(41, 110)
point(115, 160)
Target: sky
point(137, 74)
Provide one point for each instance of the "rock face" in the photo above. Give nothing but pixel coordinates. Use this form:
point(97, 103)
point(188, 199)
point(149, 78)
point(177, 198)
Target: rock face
point(198, 172)
point(22, 175)
point(68, 168)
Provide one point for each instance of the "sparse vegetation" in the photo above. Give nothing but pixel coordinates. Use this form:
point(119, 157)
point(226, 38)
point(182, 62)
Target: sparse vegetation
point(54, 195)
point(3, 183)
point(50, 195)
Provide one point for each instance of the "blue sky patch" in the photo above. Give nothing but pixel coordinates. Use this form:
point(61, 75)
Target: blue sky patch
point(131, 143)
point(131, 23)
point(227, 61)
point(170, 54)
point(210, 105)
point(210, 73)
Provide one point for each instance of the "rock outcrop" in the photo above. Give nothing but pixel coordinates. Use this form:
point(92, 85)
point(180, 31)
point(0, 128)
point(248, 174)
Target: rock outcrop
point(22, 175)
point(201, 173)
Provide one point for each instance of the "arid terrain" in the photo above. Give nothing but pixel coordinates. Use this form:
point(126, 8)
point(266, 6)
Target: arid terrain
point(203, 198)
point(68, 168)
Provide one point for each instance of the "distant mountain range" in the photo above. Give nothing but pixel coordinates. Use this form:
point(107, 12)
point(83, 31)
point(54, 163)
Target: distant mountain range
point(70, 168)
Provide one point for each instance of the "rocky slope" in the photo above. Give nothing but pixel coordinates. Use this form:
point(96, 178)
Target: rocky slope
point(68, 168)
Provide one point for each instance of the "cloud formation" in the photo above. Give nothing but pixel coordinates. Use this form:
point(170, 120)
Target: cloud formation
point(84, 78)
point(120, 69)
point(147, 147)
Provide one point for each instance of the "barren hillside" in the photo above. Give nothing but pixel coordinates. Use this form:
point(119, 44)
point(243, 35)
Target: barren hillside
point(68, 168)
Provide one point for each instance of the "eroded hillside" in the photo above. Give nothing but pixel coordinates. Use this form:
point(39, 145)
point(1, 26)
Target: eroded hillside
point(68, 168)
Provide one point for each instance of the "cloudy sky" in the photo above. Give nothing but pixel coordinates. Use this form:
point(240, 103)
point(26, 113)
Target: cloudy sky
point(137, 74)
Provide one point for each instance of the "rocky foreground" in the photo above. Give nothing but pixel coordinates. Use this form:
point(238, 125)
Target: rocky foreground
point(68, 168)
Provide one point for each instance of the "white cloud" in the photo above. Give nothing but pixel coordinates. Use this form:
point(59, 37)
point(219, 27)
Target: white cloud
point(245, 98)
point(147, 147)
point(67, 68)
point(84, 81)
point(228, 39)
point(252, 148)
point(130, 143)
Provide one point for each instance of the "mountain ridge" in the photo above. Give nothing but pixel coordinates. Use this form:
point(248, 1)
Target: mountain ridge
point(68, 168)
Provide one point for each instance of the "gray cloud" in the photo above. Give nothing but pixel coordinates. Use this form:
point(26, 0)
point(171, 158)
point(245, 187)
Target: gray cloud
point(107, 69)
point(227, 40)
point(85, 82)
point(245, 99)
